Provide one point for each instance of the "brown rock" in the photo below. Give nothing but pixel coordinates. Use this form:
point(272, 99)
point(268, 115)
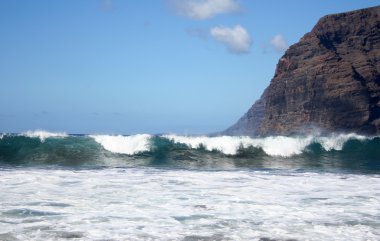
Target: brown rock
point(329, 80)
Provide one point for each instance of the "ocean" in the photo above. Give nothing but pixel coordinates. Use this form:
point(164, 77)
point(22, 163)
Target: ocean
point(56, 186)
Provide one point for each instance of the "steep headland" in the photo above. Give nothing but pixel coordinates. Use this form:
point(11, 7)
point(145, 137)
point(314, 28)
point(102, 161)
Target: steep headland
point(329, 80)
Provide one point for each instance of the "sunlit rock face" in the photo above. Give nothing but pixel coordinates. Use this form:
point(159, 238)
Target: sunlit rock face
point(329, 80)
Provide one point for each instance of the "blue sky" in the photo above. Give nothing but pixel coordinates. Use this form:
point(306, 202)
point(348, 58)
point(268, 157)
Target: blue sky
point(126, 66)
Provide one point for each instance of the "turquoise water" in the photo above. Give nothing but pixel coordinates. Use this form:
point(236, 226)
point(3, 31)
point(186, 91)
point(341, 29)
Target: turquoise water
point(56, 186)
point(341, 153)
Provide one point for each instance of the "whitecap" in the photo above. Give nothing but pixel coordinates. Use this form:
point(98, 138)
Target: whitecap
point(225, 144)
point(283, 145)
point(229, 145)
point(336, 141)
point(273, 145)
point(124, 144)
point(43, 135)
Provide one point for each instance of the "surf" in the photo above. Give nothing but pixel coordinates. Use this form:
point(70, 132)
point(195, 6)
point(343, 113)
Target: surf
point(58, 148)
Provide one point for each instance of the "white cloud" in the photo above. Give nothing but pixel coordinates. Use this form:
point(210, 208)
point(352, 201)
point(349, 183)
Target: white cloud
point(203, 9)
point(279, 43)
point(236, 39)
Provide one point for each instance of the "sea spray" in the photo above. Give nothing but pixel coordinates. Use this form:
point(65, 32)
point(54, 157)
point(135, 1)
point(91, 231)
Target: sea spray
point(337, 141)
point(40, 148)
point(273, 145)
point(43, 135)
point(124, 144)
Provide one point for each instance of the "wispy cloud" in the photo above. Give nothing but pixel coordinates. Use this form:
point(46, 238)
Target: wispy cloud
point(279, 43)
point(237, 39)
point(204, 9)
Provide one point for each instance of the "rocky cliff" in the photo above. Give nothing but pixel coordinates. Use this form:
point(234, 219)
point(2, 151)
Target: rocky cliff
point(329, 80)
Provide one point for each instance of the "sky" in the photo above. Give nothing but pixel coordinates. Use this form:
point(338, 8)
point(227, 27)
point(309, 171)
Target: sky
point(147, 66)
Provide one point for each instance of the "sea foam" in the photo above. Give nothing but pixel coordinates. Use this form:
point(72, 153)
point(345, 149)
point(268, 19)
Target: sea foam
point(167, 204)
point(124, 144)
point(273, 145)
point(43, 135)
point(336, 141)
point(284, 146)
point(229, 145)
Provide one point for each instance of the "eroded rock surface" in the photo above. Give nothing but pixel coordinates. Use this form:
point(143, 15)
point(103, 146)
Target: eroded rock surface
point(329, 80)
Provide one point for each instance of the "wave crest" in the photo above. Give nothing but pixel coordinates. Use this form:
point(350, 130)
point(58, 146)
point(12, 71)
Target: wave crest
point(337, 141)
point(229, 145)
point(273, 145)
point(43, 135)
point(345, 150)
point(124, 144)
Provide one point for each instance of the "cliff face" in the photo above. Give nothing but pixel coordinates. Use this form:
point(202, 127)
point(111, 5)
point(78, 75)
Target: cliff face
point(329, 80)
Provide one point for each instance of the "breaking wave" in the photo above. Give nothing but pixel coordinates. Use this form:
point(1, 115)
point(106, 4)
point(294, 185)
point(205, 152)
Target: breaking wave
point(43, 135)
point(47, 148)
point(274, 145)
point(124, 144)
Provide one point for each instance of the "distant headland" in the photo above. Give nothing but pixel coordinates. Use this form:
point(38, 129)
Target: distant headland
point(329, 80)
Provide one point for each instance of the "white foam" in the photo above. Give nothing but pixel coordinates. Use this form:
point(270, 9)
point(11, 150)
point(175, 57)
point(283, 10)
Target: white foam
point(43, 135)
point(336, 142)
point(229, 145)
point(273, 145)
point(160, 204)
point(226, 144)
point(124, 144)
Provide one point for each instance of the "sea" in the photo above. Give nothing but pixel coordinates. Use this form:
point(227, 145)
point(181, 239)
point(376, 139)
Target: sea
point(58, 186)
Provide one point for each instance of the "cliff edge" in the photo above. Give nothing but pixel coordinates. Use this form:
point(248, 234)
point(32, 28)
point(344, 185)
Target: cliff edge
point(329, 80)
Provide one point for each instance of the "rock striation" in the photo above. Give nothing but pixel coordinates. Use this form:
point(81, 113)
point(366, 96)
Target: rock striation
point(329, 80)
